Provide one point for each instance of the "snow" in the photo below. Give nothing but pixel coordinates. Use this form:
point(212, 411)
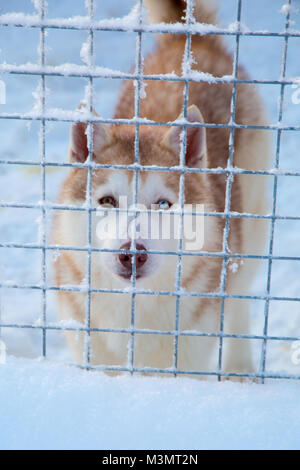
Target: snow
point(85, 53)
point(46, 402)
point(181, 413)
point(142, 91)
point(236, 26)
point(74, 70)
point(234, 267)
point(285, 9)
point(197, 76)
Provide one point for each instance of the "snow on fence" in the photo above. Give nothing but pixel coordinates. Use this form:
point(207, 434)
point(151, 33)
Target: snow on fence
point(135, 23)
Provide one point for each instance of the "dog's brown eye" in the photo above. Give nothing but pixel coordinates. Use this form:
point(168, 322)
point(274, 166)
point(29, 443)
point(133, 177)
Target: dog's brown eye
point(108, 201)
point(163, 204)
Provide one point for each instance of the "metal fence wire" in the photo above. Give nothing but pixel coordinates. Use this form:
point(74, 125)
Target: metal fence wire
point(90, 72)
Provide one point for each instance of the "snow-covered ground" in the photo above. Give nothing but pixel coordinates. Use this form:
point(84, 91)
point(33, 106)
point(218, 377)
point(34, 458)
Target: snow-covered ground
point(49, 387)
point(55, 407)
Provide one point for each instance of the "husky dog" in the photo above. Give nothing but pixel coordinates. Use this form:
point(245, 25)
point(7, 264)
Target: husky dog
point(206, 148)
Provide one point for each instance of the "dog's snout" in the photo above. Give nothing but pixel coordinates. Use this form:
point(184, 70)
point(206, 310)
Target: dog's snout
point(126, 258)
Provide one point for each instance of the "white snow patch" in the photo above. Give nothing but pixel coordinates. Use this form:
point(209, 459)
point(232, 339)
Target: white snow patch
point(85, 53)
point(38, 4)
point(237, 26)
point(70, 323)
point(135, 17)
point(143, 93)
point(234, 267)
point(200, 76)
point(286, 9)
point(45, 402)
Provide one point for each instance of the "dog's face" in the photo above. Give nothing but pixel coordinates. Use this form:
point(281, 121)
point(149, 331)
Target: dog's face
point(124, 216)
point(140, 209)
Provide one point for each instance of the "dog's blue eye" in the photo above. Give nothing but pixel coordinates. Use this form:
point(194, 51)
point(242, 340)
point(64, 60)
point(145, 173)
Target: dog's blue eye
point(164, 205)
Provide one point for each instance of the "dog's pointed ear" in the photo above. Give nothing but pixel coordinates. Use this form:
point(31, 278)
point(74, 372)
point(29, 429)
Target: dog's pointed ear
point(196, 149)
point(79, 143)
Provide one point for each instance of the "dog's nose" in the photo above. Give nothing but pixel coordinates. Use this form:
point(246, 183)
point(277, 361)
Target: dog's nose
point(126, 258)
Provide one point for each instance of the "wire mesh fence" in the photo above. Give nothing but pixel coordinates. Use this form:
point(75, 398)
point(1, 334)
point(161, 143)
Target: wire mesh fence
point(90, 72)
